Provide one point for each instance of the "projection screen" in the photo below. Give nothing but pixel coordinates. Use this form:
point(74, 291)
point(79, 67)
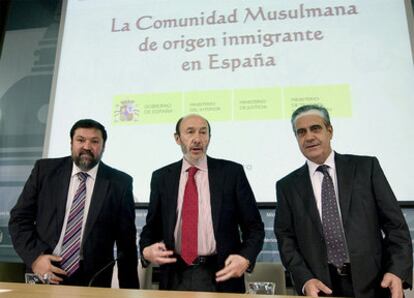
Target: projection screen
point(137, 66)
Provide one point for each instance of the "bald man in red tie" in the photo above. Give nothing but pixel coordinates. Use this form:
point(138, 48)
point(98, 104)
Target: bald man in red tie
point(203, 226)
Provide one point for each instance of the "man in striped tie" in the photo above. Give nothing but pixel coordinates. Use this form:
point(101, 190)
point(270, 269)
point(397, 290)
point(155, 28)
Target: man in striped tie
point(71, 213)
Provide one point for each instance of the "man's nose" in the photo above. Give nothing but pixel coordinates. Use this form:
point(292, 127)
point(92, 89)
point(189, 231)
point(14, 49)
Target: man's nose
point(87, 145)
point(197, 138)
point(309, 136)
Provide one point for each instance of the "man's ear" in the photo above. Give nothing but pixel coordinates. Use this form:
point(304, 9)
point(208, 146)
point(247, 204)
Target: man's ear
point(177, 138)
point(330, 129)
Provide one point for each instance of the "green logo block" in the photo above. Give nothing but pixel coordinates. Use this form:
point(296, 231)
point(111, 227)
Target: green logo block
point(258, 104)
point(214, 105)
point(335, 98)
point(150, 108)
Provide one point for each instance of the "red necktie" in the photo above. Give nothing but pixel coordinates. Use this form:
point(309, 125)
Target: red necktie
point(189, 219)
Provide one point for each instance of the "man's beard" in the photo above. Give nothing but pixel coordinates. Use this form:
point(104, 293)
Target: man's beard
point(85, 164)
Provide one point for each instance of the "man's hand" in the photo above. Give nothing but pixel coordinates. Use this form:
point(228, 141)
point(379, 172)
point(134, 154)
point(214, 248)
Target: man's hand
point(234, 266)
point(394, 283)
point(313, 286)
point(44, 268)
point(157, 253)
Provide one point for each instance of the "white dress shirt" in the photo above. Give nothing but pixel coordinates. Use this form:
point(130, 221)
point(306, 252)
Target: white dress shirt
point(316, 179)
point(73, 186)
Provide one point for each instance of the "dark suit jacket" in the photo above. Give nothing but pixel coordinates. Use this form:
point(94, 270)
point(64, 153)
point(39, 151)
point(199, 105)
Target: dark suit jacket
point(377, 235)
point(233, 207)
point(37, 219)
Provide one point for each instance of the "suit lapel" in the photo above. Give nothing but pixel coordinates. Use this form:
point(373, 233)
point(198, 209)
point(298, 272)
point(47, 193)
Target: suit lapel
point(215, 181)
point(60, 184)
point(305, 191)
point(99, 195)
point(345, 175)
point(172, 183)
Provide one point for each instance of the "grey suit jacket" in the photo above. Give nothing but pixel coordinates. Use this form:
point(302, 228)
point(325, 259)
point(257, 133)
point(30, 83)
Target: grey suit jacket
point(376, 232)
point(37, 218)
point(233, 207)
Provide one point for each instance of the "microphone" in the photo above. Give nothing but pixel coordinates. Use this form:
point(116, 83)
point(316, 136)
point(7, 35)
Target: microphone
point(111, 263)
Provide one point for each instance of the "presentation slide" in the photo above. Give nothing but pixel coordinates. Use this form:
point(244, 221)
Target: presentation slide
point(137, 66)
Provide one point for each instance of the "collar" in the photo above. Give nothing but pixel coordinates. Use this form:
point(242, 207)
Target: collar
point(92, 172)
point(201, 165)
point(330, 162)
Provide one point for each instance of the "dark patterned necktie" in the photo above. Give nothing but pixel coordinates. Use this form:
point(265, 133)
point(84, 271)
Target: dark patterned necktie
point(72, 239)
point(189, 219)
point(332, 227)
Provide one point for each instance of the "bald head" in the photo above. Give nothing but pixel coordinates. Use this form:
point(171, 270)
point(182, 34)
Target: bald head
point(193, 136)
point(178, 125)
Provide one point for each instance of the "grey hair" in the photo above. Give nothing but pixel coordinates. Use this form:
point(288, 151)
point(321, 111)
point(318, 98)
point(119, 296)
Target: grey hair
point(319, 109)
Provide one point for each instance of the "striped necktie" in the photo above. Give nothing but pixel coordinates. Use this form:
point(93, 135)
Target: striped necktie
point(72, 239)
